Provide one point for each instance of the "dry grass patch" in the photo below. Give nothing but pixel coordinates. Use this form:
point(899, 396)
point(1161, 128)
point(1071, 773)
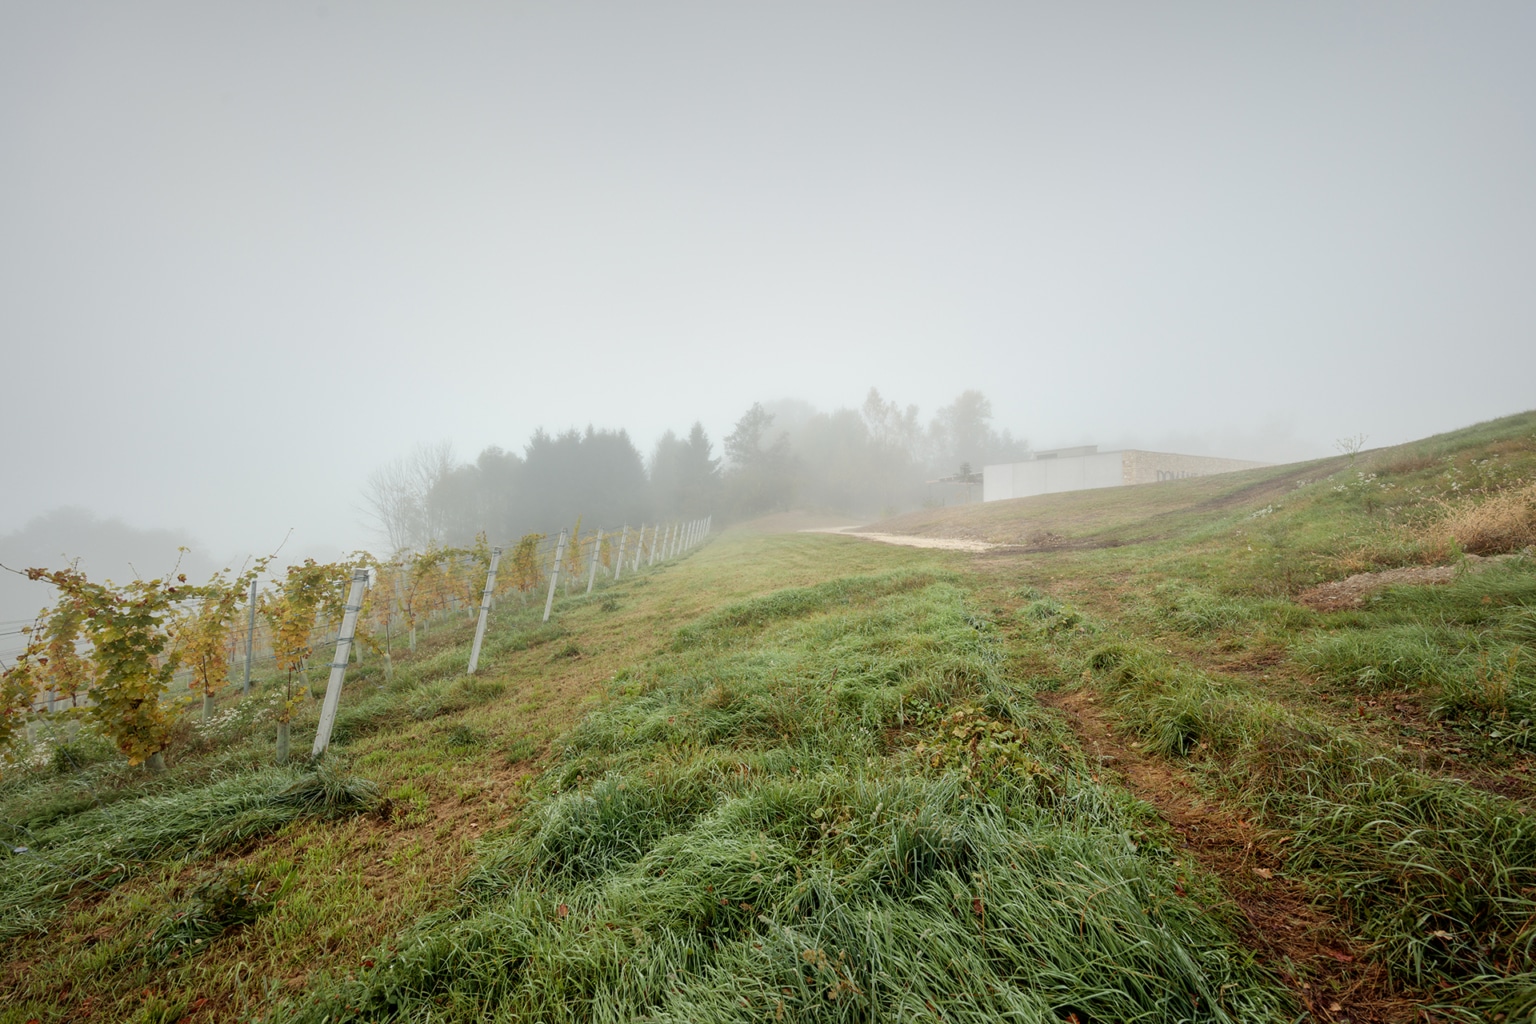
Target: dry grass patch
point(1504, 522)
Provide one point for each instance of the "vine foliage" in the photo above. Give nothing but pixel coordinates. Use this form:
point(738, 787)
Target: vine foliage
point(308, 592)
point(129, 629)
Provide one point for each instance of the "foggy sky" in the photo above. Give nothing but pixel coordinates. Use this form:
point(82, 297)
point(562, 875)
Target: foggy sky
point(248, 252)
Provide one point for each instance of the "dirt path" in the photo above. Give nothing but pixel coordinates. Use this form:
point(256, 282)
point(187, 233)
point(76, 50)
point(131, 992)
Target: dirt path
point(1305, 947)
point(941, 543)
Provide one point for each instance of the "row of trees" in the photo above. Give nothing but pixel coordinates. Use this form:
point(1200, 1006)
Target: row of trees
point(877, 459)
point(427, 499)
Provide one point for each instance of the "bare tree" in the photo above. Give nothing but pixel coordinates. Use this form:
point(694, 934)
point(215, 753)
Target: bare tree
point(895, 432)
point(399, 496)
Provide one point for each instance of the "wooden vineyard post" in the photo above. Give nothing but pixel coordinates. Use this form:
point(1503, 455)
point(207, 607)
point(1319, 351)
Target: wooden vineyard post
point(655, 533)
point(554, 575)
point(639, 546)
point(250, 637)
point(597, 549)
point(485, 610)
point(618, 560)
point(339, 664)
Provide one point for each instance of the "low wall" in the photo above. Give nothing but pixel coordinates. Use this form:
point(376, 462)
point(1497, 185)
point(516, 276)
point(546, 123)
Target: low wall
point(1100, 469)
point(1155, 467)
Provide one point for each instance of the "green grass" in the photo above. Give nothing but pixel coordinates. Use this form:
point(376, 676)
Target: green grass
point(1382, 748)
point(1439, 877)
point(248, 909)
point(785, 816)
point(807, 777)
point(96, 849)
point(1466, 645)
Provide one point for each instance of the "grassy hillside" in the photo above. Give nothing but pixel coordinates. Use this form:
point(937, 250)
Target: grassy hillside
point(1361, 777)
point(1118, 770)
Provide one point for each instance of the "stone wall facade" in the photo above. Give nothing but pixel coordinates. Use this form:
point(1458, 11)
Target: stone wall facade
point(1081, 469)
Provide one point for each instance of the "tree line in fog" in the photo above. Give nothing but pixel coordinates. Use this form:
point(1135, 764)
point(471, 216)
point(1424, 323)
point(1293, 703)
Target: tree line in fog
point(878, 459)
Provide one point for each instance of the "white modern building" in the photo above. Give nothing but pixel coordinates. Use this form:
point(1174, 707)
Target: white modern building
point(1080, 469)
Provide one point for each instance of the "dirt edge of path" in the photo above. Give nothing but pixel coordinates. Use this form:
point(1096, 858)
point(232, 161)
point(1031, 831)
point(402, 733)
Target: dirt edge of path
point(1352, 591)
point(1305, 948)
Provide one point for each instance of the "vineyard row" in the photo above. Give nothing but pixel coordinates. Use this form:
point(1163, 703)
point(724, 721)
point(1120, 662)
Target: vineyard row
point(115, 656)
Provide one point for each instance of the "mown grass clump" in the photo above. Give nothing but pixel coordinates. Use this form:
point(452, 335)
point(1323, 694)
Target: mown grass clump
point(84, 751)
point(405, 699)
point(1394, 657)
point(829, 804)
point(222, 901)
point(796, 602)
point(96, 849)
point(1197, 612)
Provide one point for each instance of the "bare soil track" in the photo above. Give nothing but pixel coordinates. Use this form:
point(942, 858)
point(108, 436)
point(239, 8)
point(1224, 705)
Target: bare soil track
point(1306, 947)
point(1352, 591)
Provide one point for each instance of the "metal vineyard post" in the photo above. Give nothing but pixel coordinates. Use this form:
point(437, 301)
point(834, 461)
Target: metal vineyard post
point(339, 663)
point(554, 575)
point(597, 549)
point(485, 610)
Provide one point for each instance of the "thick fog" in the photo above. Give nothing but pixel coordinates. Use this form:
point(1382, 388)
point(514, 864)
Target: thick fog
point(251, 256)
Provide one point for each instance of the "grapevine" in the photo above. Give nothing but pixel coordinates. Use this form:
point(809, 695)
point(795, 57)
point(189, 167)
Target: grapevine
point(308, 590)
point(130, 631)
point(201, 634)
point(525, 571)
point(573, 553)
point(68, 674)
point(18, 685)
